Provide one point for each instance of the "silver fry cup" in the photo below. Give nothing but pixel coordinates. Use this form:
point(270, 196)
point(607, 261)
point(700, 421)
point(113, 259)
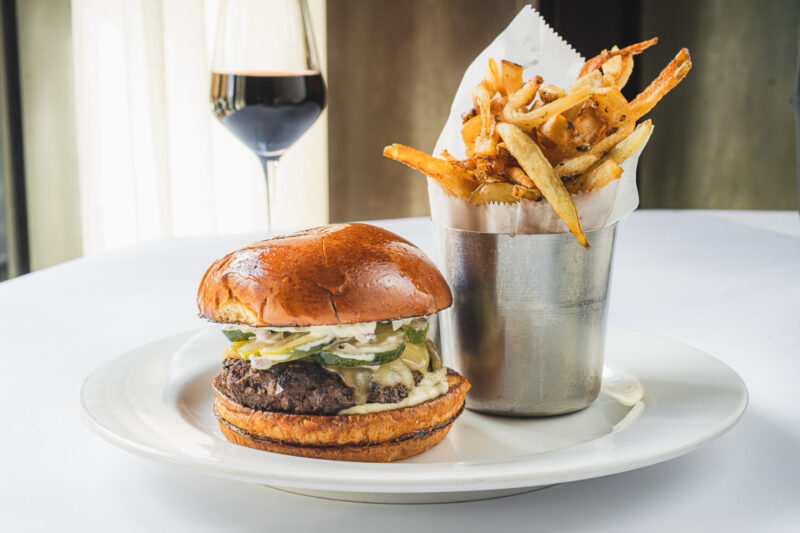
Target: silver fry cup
point(528, 323)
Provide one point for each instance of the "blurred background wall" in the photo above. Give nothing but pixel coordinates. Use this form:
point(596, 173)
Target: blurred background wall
point(107, 140)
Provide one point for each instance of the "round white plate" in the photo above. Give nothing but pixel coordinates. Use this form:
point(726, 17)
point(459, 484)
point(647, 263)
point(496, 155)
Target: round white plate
point(660, 399)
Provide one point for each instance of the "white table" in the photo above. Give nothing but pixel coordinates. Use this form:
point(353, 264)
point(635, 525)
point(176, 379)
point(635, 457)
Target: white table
point(725, 282)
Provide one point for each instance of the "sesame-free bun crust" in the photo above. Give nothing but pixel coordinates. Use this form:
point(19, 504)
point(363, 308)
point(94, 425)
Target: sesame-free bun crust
point(337, 274)
point(375, 437)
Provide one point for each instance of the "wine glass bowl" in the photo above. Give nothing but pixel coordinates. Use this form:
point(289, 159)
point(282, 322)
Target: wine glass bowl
point(266, 85)
point(268, 111)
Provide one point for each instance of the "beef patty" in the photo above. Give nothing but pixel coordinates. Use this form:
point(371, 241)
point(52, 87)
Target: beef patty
point(296, 387)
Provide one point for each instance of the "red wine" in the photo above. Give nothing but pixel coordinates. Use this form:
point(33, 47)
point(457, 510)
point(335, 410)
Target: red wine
point(268, 111)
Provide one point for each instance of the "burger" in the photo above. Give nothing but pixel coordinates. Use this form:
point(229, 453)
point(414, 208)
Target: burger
point(329, 355)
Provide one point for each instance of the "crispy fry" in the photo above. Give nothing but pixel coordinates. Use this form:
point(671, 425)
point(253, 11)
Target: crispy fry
point(612, 137)
point(557, 129)
point(493, 79)
point(586, 129)
point(549, 93)
point(612, 69)
point(611, 106)
point(493, 192)
point(630, 145)
point(486, 144)
point(518, 176)
point(531, 119)
point(617, 70)
point(575, 165)
point(627, 69)
point(511, 75)
point(526, 193)
point(592, 80)
point(453, 179)
point(470, 131)
point(596, 177)
point(525, 94)
point(538, 169)
point(448, 156)
point(597, 61)
point(671, 76)
point(482, 99)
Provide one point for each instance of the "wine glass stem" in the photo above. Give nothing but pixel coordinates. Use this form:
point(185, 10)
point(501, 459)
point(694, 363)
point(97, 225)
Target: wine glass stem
point(270, 174)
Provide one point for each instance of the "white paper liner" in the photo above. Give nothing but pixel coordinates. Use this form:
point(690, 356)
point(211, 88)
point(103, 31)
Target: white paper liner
point(530, 42)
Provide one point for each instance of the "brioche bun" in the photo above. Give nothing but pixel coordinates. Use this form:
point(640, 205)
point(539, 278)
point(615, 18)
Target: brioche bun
point(337, 274)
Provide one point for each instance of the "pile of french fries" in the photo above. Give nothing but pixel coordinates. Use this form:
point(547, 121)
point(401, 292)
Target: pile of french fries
point(523, 148)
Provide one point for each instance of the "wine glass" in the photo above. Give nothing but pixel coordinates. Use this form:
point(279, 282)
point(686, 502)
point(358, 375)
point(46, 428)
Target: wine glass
point(266, 86)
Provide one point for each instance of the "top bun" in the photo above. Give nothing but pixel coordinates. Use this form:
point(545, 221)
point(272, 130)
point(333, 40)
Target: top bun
point(337, 274)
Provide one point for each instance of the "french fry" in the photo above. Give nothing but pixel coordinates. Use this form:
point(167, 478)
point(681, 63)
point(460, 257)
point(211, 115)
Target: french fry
point(617, 70)
point(453, 179)
point(526, 193)
point(549, 93)
point(610, 105)
point(612, 69)
point(627, 70)
point(538, 169)
point(595, 178)
point(525, 94)
point(593, 80)
point(444, 154)
point(511, 75)
point(597, 61)
point(557, 129)
point(671, 76)
point(501, 193)
point(518, 176)
point(486, 144)
point(531, 119)
point(575, 165)
point(470, 131)
point(493, 79)
point(631, 144)
point(482, 99)
point(603, 175)
point(611, 139)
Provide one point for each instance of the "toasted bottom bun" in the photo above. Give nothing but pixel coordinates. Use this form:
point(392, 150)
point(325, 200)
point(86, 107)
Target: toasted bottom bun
point(375, 437)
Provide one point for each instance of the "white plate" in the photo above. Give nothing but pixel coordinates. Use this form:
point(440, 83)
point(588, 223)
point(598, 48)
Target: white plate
point(660, 399)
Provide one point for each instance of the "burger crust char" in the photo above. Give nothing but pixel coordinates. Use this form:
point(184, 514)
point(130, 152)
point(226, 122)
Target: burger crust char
point(337, 274)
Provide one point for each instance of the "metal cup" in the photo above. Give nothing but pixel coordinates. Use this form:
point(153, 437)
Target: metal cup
point(528, 323)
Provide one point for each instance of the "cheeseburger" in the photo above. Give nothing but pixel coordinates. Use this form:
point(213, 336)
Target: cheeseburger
point(329, 355)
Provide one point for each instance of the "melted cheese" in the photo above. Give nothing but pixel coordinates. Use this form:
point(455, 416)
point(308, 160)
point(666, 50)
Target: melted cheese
point(432, 386)
point(399, 371)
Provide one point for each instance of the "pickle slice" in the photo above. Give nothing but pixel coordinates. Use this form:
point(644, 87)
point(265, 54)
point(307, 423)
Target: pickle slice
point(387, 346)
point(236, 335)
point(417, 331)
point(293, 347)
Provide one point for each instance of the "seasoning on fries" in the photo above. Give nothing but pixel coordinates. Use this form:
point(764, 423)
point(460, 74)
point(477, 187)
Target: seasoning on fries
point(525, 141)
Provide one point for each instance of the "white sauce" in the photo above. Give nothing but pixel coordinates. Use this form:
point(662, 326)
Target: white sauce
point(362, 331)
point(432, 386)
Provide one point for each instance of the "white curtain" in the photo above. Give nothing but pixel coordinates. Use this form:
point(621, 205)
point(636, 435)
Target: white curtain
point(153, 162)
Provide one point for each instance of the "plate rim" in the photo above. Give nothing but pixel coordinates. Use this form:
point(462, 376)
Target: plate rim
point(499, 481)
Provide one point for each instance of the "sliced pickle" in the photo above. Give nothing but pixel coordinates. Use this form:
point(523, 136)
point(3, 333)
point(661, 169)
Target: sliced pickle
point(386, 347)
point(235, 335)
point(416, 331)
point(293, 347)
